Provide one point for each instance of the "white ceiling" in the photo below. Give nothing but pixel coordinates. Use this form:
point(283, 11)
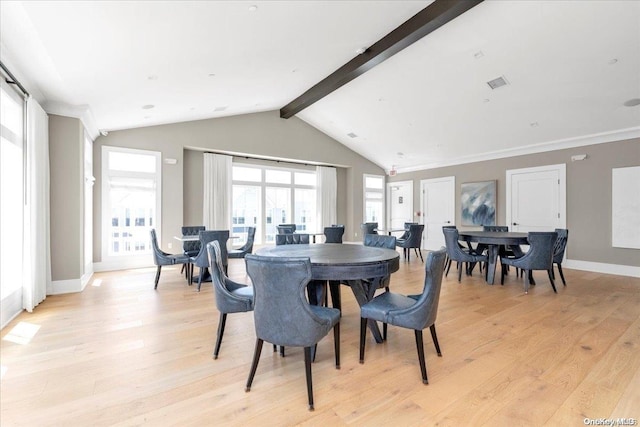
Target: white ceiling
point(570, 67)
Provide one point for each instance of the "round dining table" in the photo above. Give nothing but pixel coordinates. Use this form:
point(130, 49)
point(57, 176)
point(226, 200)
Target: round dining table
point(347, 264)
point(493, 240)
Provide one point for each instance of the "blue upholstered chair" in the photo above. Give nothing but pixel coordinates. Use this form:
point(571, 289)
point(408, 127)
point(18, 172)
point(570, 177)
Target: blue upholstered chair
point(286, 228)
point(368, 228)
point(458, 254)
point(282, 314)
point(292, 239)
point(538, 257)
point(231, 297)
point(202, 259)
point(558, 251)
point(333, 234)
point(247, 248)
point(190, 248)
point(412, 239)
point(412, 312)
point(161, 258)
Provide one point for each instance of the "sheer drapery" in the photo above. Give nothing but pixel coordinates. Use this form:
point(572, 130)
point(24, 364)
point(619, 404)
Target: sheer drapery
point(216, 202)
point(327, 185)
point(37, 257)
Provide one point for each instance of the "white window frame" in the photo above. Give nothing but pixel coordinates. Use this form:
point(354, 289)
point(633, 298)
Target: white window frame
point(365, 190)
point(114, 262)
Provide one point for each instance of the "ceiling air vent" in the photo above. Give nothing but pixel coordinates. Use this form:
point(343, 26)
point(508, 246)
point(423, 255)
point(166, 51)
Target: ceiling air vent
point(496, 83)
point(352, 135)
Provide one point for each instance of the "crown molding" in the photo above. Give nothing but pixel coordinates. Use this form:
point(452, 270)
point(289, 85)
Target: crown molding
point(82, 112)
point(561, 144)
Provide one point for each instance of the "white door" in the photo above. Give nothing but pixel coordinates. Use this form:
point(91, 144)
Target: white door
point(437, 200)
point(400, 197)
point(536, 199)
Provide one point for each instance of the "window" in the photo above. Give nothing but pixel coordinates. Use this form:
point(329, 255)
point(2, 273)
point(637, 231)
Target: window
point(374, 199)
point(131, 194)
point(264, 197)
point(11, 193)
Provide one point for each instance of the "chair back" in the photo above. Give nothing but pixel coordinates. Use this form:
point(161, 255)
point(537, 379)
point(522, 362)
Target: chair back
point(425, 311)
point(248, 245)
point(286, 228)
point(206, 236)
point(158, 254)
point(191, 248)
point(380, 241)
point(452, 243)
point(282, 314)
point(414, 236)
point(292, 239)
point(496, 228)
point(226, 302)
point(368, 228)
point(540, 254)
point(333, 234)
point(406, 230)
point(560, 245)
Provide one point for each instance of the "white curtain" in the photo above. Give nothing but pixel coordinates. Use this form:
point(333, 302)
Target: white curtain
point(327, 191)
point(37, 256)
point(216, 204)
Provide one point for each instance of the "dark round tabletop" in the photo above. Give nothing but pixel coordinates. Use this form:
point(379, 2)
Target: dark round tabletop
point(494, 237)
point(335, 261)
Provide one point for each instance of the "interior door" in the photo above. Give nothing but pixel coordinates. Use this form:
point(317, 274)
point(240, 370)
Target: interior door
point(536, 198)
point(438, 209)
point(400, 197)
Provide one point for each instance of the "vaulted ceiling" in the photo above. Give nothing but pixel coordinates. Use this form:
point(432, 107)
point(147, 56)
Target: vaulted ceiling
point(570, 68)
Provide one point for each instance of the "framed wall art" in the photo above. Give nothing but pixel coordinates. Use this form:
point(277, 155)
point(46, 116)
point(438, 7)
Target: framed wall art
point(478, 203)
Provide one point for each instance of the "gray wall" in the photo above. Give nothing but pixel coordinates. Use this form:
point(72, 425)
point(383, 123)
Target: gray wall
point(588, 193)
point(259, 134)
point(66, 147)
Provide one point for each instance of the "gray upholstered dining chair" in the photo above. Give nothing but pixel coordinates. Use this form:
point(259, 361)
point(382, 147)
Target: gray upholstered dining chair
point(415, 312)
point(368, 228)
point(456, 253)
point(292, 239)
point(247, 248)
point(333, 234)
point(161, 258)
point(282, 314)
point(202, 259)
point(231, 297)
point(538, 257)
point(413, 239)
point(190, 248)
point(558, 251)
point(286, 228)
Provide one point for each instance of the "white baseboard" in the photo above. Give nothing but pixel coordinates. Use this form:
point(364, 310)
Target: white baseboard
point(65, 286)
point(11, 307)
point(123, 264)
point(600, 267)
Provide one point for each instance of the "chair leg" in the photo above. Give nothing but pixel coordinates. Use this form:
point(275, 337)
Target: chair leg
point(460, 266)
point(435, 339)
point(223, 322)
point(526, 284)
point(423, 365)
point(157, 277)
point(384, 332)
point(531, 280)
point(363, 331)
point(553, 285)
point(334, 289)
point(419, 252)
point(254, 364)
point(561, 275)
point(336, 343)
point(448, 266)
point(502, 274)
point(307, 370)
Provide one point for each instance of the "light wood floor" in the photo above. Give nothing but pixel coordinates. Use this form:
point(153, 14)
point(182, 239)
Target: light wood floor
point(120, 353)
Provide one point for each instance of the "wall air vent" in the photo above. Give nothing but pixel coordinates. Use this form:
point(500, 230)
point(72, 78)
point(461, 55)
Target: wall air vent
point(496, 83)
point(352, 135)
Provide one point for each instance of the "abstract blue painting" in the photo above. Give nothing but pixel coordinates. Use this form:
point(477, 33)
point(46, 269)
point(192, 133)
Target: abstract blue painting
point(478, 202)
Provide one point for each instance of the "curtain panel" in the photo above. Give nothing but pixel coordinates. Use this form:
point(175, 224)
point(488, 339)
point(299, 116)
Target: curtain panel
point(37, 255)
point(327, 194)
point(216, 203)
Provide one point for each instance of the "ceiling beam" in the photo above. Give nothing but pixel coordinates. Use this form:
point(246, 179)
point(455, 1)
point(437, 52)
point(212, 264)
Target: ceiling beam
point(422, 23)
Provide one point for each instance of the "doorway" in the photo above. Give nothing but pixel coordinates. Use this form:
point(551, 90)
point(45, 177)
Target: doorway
point(437, 202)
point(400, 207)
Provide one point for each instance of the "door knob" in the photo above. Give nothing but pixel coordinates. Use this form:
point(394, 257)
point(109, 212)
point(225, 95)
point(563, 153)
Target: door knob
point(515, 223)
point(448, 222)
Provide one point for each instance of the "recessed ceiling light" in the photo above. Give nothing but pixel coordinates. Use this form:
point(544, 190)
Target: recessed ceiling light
point(148, 106)
point(295, 70)
point(220, 108)
point(192, 108)
point(352, 135)
point(253, 8)
point(612, 61)
point(534, 124)
point(478, 54)
point(632, 102)
point(212, 74)
point(147, 117)
point(152, 77)
point(486, 100)
point(497, 82)
point(400, 154)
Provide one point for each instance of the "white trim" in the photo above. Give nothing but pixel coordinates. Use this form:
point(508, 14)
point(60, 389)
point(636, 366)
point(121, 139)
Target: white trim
point(561, 144)
point(65, 287)
point(126, 264)
point(374, 190)
point(562, 191)
point(600, 267)
point(11, 306)
point(82, 112)
point(423, 184)
point(388, 200)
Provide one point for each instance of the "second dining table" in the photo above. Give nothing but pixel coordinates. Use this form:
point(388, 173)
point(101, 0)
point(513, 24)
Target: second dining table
point(493, 240)
point(344, 263)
